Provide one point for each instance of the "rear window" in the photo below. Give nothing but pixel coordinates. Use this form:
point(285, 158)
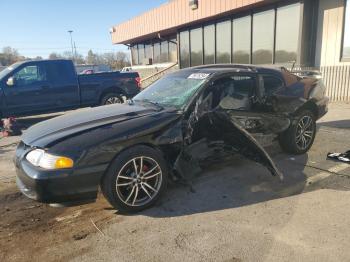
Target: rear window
point(272, 84)
point(60, 72)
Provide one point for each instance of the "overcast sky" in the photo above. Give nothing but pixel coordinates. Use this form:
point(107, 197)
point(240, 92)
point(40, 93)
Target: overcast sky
point(39, 27)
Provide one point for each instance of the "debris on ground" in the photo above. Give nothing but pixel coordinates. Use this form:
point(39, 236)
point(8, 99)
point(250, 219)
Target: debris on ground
point(10, 127)
point(342, 157)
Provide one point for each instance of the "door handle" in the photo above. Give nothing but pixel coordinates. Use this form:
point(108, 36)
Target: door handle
point(45, 87)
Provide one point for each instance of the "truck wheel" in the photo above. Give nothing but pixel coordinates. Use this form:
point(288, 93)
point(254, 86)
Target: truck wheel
point(136, 179)
point(110, 99)
point(299, 137)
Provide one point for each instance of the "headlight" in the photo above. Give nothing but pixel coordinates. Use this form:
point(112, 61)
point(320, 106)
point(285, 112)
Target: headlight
point(40, 158)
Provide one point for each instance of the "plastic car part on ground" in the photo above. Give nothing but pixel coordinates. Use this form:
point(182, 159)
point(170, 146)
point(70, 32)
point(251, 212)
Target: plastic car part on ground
point(9, 127)
point(342, 157)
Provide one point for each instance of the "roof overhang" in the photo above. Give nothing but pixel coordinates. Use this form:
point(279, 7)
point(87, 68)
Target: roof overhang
point(169, 17)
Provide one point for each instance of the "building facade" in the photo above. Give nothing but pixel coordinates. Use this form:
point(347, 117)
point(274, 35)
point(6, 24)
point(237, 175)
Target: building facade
point(309, 33)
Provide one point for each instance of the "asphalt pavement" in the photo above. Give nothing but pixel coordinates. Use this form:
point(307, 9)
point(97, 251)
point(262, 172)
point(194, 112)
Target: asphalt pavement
point(236, 211)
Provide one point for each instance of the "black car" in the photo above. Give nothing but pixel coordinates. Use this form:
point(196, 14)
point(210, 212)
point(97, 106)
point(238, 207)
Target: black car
point(183, 121)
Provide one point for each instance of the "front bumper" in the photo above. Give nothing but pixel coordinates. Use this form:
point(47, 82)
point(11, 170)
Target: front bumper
point(57, 186)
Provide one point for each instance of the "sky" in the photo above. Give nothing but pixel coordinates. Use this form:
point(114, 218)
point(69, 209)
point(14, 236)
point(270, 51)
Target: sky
point(39, 27)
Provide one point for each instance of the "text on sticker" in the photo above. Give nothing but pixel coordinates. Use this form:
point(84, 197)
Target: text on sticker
point(198, 76)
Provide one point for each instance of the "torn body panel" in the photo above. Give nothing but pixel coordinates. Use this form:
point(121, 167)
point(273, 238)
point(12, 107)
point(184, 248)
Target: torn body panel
point(259, 122)
point(215, 135)
point(299, 93)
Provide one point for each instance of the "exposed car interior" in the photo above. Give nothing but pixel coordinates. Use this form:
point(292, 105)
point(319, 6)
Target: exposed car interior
point(230, 93)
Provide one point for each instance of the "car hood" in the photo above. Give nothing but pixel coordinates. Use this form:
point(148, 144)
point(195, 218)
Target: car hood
point(46, 132)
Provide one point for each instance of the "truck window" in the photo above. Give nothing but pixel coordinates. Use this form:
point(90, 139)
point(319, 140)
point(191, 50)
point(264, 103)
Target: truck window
point(30, 74)
point(61, 72)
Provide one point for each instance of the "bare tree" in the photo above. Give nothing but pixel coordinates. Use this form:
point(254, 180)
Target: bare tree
point(9, 56)
point(93, 58)
point(55, 56)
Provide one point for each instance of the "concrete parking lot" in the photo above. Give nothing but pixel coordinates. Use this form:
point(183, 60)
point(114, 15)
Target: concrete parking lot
point(236, 211)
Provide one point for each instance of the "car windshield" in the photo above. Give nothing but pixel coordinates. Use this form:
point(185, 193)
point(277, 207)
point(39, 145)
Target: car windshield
point(172, 91)
point(9, 69)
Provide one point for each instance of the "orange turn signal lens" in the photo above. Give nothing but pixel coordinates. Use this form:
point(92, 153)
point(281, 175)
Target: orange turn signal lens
point(64, 162)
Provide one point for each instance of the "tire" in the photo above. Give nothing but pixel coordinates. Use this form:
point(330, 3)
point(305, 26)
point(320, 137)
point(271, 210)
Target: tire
point(112, 98)
point(300, 136)
point(130, 193)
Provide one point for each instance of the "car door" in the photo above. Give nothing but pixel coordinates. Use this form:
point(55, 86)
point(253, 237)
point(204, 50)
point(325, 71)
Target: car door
point(29, 91)
point(212, 134)
point(249, 104)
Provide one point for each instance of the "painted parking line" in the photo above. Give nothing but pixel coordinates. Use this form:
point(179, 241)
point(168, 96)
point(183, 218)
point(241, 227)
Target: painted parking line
point(323, 175)
point(299, 187)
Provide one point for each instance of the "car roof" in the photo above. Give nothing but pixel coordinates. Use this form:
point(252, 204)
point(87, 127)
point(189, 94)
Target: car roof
point(234, 68)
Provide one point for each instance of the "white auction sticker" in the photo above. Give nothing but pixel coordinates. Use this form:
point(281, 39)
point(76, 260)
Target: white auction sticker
point(198, 76)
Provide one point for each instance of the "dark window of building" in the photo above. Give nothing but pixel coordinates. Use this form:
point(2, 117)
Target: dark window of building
point(263, 37)
point(223, 42)
point(156, 53)
point(287, 33)
point(209, 44)
point(134, 55)
point(141, 49)
point(172, 50)
point(148, 52)
point(242, 40)
point(196, 46)
point(346, 45)
point(184, 49)
point(164, 52)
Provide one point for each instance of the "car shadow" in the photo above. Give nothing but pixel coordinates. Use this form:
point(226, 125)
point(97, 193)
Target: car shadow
point(343, 124)
point(234, 183)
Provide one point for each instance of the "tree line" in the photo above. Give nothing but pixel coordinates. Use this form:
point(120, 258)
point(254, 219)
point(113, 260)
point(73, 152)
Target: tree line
point(115, 60)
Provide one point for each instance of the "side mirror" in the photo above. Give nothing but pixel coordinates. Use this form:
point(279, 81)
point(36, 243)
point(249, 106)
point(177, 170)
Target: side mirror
point(10, 81)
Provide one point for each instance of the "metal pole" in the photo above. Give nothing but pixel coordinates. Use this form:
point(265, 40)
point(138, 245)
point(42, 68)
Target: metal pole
point(75, 52)
point(71, 42)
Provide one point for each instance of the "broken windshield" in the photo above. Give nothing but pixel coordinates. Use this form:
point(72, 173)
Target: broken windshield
point(173, 91)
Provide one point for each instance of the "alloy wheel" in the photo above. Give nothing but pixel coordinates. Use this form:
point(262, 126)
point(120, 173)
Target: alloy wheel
point(305, 132)
point(139, 181)
point(113, 100)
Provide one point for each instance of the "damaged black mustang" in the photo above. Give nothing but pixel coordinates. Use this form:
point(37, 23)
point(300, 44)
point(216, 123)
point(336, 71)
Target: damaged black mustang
point(168, 131)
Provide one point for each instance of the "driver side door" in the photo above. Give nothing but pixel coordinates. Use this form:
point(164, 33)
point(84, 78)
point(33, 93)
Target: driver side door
point(249, 105)
point(29, 90)
point(212, 134)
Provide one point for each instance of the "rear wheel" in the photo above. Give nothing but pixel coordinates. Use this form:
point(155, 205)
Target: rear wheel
point(110, 99)
point(300, 136)
point(136, 179)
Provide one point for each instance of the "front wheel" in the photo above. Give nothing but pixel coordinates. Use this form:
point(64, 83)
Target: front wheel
point(299, 137)
point(136, 179)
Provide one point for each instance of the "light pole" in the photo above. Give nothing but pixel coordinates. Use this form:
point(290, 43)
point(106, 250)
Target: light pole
point(71, 42)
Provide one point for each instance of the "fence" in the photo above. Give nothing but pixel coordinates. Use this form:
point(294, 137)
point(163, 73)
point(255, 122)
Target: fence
point(154, 77)
point(337, 81)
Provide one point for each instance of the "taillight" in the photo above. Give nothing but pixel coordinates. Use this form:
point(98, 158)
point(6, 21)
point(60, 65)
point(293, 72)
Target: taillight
point(138, 81)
